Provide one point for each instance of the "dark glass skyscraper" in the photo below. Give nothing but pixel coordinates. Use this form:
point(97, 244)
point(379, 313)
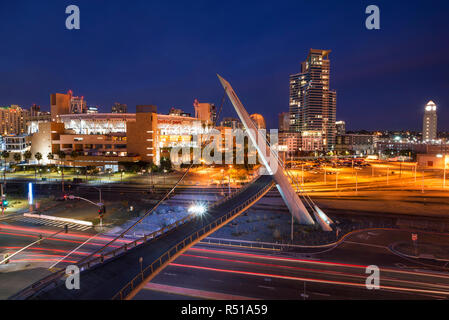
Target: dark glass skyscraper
point(313, 104)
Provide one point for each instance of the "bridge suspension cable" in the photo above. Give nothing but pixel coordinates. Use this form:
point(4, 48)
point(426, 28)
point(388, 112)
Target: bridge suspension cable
point(322, 218)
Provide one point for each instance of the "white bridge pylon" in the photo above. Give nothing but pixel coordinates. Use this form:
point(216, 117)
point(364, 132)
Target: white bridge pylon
point(273, 166)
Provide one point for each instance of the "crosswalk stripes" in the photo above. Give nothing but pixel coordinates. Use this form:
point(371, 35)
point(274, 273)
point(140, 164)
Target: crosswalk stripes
point(51, 223)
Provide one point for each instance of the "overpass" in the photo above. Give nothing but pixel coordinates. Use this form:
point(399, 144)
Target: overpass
point(122, 272)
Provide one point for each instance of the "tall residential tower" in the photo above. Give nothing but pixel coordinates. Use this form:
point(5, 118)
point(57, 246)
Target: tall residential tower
point(313, 104)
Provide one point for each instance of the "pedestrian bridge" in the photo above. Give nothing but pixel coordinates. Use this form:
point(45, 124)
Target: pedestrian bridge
point(122, 272)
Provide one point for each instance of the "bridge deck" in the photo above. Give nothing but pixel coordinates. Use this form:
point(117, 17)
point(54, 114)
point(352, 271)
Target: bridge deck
point(105, 280)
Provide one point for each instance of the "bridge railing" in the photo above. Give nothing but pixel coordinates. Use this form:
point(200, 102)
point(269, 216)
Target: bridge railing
point(167, 256)
point(54, 279)
point(232, 195)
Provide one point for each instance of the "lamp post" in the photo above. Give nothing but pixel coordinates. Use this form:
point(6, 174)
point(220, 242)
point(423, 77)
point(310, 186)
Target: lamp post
point(302, 173)
point(325, 178)
point(422, 186)
point(99, 190)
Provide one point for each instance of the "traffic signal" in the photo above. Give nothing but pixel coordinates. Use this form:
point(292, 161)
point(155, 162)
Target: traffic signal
point(5, 203)
point(66, 228)
point(102, 210)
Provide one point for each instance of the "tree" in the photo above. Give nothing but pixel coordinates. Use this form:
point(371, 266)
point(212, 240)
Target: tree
point(27, 155)
point(38, 157)
point(74, 154)
point(17, 157)
point(50, 156)
point(5, 155)
point(61, 155)
point(166, 164)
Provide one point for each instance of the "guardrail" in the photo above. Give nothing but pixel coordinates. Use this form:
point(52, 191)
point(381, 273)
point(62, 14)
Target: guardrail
point(263, 245)
point(166, 257)
point(53, 279)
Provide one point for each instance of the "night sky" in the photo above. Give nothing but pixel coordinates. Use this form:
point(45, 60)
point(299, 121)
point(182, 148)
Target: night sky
point(168, 52)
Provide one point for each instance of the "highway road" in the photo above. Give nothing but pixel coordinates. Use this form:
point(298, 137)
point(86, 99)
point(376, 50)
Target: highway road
point(105, 280)
point(221, 272)
point(229, 273)
point(45, 257)
point(336, 274)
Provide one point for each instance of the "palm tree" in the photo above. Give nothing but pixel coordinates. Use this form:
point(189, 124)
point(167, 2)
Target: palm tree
point(74, 154)
point(5, 155)
point(17, 157)
point(61, 156)
point(27, 155)
point(38, 157)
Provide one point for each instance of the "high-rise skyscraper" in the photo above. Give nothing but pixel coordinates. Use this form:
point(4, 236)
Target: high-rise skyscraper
point(429, 131)
point(312, 103)
point(13, 120)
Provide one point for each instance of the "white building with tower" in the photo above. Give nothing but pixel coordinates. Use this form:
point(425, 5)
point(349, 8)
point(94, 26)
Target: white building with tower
point(430, 122)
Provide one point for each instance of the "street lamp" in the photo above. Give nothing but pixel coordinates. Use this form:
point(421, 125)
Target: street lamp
point(100, 193)
point(197, 209)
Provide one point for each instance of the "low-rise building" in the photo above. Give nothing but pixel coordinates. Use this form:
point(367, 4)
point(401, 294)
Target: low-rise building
point(357, 144)
point(17, 143)
point(433, 161)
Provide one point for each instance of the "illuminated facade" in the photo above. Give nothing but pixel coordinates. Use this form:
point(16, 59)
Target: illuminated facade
point(97, 138)
point(312, 103)
point(259, 121)
point(205, 112)
point(16, 143)
point(119, 108)
point(13, 120)
point(430, 122)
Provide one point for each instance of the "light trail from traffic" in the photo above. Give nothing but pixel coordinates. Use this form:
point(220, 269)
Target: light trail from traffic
point(313, 280)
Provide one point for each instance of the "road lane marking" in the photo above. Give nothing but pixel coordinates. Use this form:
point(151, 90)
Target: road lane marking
point(350, 284)
point(74, 250)
point(266, 287)
point(202, 294)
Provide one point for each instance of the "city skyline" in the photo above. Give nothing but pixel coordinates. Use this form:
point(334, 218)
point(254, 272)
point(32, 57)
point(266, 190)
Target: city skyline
point(372, 70)
point(138, 159)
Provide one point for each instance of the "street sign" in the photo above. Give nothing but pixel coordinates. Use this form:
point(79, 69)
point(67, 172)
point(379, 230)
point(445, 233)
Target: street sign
point(414, 237)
